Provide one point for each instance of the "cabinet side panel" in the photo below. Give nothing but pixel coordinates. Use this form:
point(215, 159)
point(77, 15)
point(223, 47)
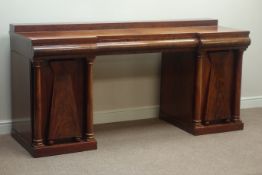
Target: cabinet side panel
point(21, 97)
point(177, 85)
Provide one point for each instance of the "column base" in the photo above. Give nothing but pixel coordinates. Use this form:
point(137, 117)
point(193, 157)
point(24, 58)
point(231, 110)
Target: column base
point(56, 149)
point(203, 129)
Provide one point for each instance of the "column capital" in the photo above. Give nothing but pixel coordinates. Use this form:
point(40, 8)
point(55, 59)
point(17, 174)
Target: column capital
point(200, 54)
point(90, 59)
point(39, 63)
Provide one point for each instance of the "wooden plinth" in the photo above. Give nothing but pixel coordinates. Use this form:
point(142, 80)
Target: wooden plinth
point(51, 150)
point(203, 129)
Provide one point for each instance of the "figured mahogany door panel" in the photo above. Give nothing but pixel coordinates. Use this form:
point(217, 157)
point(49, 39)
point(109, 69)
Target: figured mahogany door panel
point(66, 105)
point(218, 88)
point(177, 85)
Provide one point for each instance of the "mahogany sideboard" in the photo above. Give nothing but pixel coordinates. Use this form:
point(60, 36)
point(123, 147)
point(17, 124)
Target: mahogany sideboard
point(52, 70)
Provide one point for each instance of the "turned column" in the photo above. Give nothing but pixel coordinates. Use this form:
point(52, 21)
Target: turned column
point(89, 133)
point(198, 90)
point(38, 136)
point(238, 75)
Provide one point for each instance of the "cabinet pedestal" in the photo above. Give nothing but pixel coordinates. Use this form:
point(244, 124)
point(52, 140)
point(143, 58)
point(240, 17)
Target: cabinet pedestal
point(200, 91)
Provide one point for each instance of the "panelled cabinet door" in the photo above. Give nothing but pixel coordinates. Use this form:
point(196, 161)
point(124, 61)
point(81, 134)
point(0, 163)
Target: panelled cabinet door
point(219, 69)
point(65, 91)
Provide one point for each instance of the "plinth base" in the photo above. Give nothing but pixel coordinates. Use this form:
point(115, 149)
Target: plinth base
point(50, 150)
point(204, 129)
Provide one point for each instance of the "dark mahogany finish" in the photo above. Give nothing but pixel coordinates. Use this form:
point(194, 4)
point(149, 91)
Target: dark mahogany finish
point(52, 71)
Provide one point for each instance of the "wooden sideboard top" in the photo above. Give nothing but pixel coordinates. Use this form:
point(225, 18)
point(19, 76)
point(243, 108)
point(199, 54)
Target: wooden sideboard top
point(104, 38)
